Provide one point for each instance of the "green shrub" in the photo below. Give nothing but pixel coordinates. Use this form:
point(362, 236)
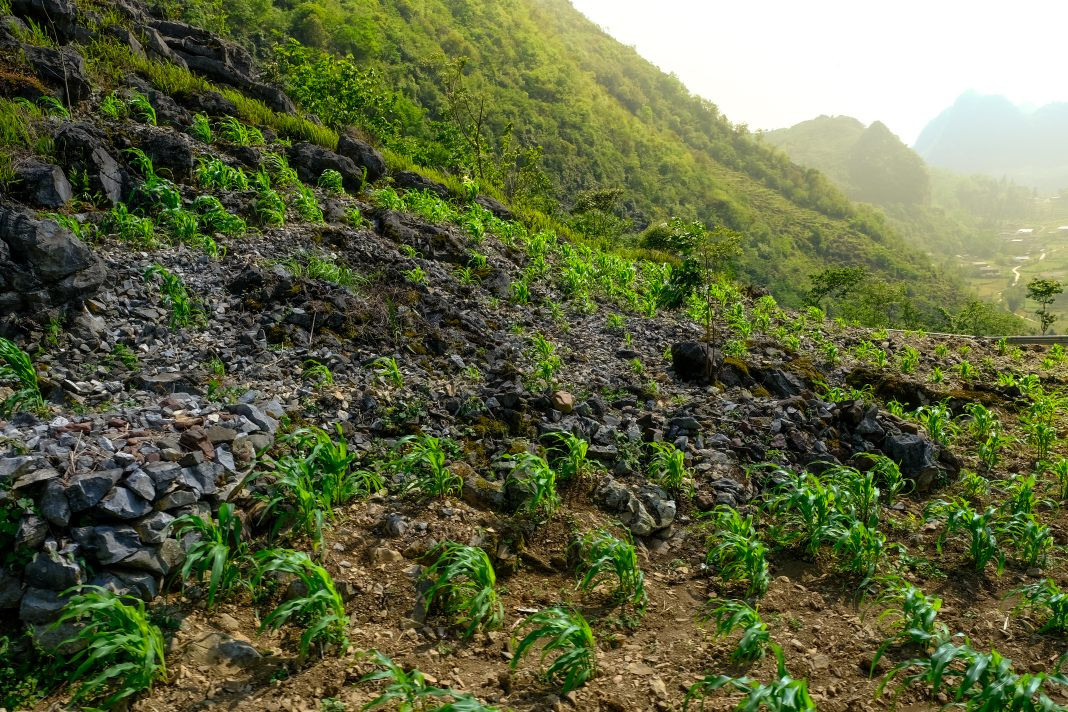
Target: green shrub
point(119, 652)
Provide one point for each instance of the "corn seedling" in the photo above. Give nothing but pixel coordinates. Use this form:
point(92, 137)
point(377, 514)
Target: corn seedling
point(973, 485)
point(216, 174)
point(913, 615)
point(936, 375)
point(604, 555)
point(388, 371)
point(537, 482)
point(976, 680)
point(668, 469)
point(785, 694)
point(1047, 597)
point(318, 372)
point(731, 615)
point(142, 108)
point(1060, 471)
point(17, 368)
point(989, 450)
point(983, 546)
point(306, 204)
point(416, 275)
point(464, 585)
point(138, 231)
point(200, 129)
point(425, 461)
point(232, 130)
point(1032, 540)
point(183, 313)
point(805, 512)
point(332, 181)
point(567, 634)
point(908, 359)
point(982, 422)
point(736, 553)
point(119, 652)
point(320, 609)
point(410, 692)
point(218, 550)
point(279, 169)
point(938, 422)
point(573, 465)
point(215, 218)
point(860, 549)
point(112, 107)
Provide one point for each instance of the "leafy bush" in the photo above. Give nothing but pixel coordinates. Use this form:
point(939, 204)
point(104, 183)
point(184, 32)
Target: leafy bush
point(118, 649)
point(567, 634)
point(463, 583)
point(218, 550)
point(17, 368)
point(601, 554)
point(320, 609)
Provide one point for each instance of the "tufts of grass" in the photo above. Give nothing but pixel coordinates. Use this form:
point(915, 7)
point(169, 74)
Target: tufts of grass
point(237, 133)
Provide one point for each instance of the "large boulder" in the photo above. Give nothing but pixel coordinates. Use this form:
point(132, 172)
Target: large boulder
point(171, 152)
point(692, 361)
point(81, 146)
point(42, 184)
point(43, 265)
point(310, 160)
point(363, 155)
point(63, 68)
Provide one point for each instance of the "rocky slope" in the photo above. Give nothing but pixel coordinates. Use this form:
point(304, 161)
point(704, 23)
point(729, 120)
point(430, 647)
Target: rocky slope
point(150, 416)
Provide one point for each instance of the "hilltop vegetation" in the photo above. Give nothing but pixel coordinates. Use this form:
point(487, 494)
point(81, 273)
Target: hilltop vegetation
point(533, 100)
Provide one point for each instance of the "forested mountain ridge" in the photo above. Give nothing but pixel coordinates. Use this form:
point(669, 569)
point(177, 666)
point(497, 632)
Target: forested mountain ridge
point(538, 73)
point(934, 209)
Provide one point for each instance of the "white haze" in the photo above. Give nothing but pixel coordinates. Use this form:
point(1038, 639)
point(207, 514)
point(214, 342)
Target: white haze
point(773, 63)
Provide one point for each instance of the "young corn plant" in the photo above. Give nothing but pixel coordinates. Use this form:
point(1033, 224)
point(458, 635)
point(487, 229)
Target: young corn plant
point(214, 217)
point(129, 227)
point(785, 694)
point(938, 421)
point(410, 692)
point(982, 421)
point(388, 371)
point(913, 614)
point(426, 462)
point(463, 584)
point(218, 551)
point(731, 615)
point(975, 680)
point(332, 181)
point(860, 549)
point(1060, 471)
point(232, 130)
point(668, 469)
point(17, 368)
point(200, 129)
point(805, 512)
point(142, 108)
point(602, 556)
point(320, 609)
point(573, 465)
point(217, 175)
point(318, 372)
point(537, 481)
point(1047, 597)
point(983, 546)
point(120, 653)
point(183, 312)
point(567, 634)
point(1031, 539)
point(307, 205)
point(736, 553)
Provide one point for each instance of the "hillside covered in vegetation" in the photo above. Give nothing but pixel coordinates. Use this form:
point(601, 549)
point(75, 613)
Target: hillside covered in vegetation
point(285, 425)
point(534, 101)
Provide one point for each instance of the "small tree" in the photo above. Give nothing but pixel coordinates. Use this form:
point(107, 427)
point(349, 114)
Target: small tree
point(833, 282)
point(717, 251)
point(1044, 292)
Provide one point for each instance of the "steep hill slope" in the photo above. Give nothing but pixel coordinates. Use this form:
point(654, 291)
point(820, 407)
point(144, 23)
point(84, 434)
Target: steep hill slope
point(604, 117)
point(325, 436)
point(993, 136)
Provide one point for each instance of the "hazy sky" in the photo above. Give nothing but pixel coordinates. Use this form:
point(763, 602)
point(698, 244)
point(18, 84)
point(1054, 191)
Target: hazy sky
point(773, 63)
